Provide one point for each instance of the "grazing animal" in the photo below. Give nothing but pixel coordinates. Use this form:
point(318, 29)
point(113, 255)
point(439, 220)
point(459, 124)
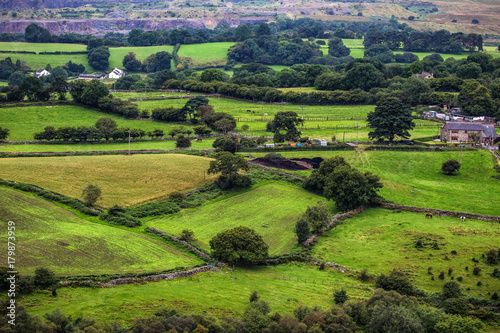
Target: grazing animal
point(428, 215)
point(463, 218)
point(438, 214)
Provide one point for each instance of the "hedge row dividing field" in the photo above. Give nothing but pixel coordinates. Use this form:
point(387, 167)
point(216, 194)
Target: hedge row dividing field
point(50, 236)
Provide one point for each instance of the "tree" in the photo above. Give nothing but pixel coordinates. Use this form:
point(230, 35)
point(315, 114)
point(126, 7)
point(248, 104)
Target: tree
point(187, 235)
point(317, 216)
point(363, 76)
point(340, 296)
point(450, 167)
point(302, 230)
point(161, 77)
point(212, 74)
point(31, 87)
point(131, 63)
point(228, 165)
point(92, 91)
point(193, 105)
point(44, 277)
point(336, 48)
point(91, 194)
point(126, 82)
point(16, 79)
point(239, 246)
point(475, 21)
point(182, 142)
point(60, 86)
point(157, 62)
point(451, 289)
point(94, 43)
point(286, 121)
point(36, 34)
point(4, 133)
point(226, 143)
point(390, 118)
point(106, 126)
point(99, 58)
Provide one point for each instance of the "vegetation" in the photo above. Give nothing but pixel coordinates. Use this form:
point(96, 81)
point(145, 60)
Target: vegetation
point(391, 118)
point(228, 165)
point(450, 167)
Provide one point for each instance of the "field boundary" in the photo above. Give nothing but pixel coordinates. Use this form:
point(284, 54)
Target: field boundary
point(175, 239)
point(441, 212)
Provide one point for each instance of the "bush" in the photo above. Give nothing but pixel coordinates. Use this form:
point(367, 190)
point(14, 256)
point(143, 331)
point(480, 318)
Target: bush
point(450, 167)
point(44, 278)
point(254, 297)
point(458, 306)
point(492, 257)
point(460, 279)
point(476, 270)
point(182, 142)
point(364, 275)
point(451, 290)
point(397, 281)
point(187, 235)
point(441, 276)
point(340, 296)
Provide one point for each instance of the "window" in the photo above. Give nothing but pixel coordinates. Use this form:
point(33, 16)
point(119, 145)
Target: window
point(454, 138)
point(455, 132)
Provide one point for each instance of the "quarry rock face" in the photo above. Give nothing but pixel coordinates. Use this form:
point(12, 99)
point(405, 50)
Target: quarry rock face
point(98, 26)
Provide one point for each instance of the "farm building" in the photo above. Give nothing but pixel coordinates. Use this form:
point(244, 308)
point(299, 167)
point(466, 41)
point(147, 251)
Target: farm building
point(41, 72)
point(116, 73)
point(455, 132)
point(91, 76)
point(424, 75)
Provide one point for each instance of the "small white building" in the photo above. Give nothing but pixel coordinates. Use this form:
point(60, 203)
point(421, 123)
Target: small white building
point(41, 72)
point(116, 73)
point(269, 145)
point(91, 76)
point(323, 142)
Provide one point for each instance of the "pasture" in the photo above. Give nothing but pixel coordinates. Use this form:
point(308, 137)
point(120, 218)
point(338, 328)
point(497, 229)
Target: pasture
point(270, 209)
point(23, 122)
point(124, 179)
point(38, 61)
point(117, 53)
point(415, 178)
point(41, 47)
point(381, 240)
point(207, 52)
point(52, 237)
point(285, 287)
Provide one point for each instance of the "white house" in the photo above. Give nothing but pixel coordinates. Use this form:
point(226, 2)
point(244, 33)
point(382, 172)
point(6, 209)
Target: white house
point(117, 73)
point(41, 72)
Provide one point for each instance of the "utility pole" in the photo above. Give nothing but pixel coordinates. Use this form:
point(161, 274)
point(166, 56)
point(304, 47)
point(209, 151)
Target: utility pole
point(302, 124)
point(129, 142)
point(357, 132)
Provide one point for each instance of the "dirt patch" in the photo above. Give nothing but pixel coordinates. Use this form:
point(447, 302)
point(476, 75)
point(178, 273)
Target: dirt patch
point(293, 164)
point(62, 243)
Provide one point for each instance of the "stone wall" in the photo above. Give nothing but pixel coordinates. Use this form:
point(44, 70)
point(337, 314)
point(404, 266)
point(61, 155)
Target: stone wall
point(442, 212)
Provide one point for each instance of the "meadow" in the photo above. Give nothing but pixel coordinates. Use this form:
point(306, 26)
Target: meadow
point(382, 240)
point(284, 287)
point(39, 61)
point(415, 178)
point(206, 52)
point(117, 53)
point(55, 238)
point(270, 209)
point(124, 179)
point(23, 122)
point(41, 47)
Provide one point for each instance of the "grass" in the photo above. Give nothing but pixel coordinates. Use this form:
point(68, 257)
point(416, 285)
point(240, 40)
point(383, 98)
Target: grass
point(118, 53)
point(124, 179)
point(206, 52)
point(52, 237)
point(149, 94)
point(23, 122)
point(270, 209)
point(285, 287)
point(37, 61)
point(415, 178)
point(381, 240)
point(41, 47)
point(69, 147)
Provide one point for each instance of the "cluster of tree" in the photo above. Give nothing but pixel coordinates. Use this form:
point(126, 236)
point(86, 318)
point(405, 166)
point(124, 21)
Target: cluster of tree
point(42, 279)
point(7, 68)
point(228, 166)
point(104, 128)
point(348, 187)
point(4, 133)
point(384, 311)
point(313, 220)
point(441, 41)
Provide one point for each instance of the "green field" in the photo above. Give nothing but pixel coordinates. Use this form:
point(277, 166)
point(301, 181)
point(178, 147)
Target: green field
point(415, 178)
point(124, 179)
point(206, 52)
point(23, 122)
point(285, 287)
point(270, 209)
point(381, 240)
point(41, 47)
point(117, 53)
point(50, 236)
point(38, 61)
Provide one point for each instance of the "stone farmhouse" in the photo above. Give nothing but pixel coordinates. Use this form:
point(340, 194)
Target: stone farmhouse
point(458, 132)
point(424, 75)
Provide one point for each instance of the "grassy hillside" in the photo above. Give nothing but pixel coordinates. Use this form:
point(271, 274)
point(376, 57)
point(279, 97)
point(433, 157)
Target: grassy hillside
point(37, 61)
point(49, 236)
point(285, 287)
point(117, 53)
point(41, 47)
point(271, 210)
point(123, 179)
point(207, 52)
point(381, 240)
point(23, 122)
point(415, 178)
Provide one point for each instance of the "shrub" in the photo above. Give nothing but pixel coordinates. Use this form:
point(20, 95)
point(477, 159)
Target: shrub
point(450, 167)
point(340, 296)
point(254, 297)
point(453, 252)
point(492, 257)
point(494, 296)
point(451, 290)
point(44, 277)
point(364, 275)
point(302, 230)
point(187, 235)
point(458, 306)
point(460, 278)
point(91, 194)
point(441, 276)
point(182, 142)
point(479, 283)
point(450, 270)
point(397, 281)
point(476, 270)
point(177, 195)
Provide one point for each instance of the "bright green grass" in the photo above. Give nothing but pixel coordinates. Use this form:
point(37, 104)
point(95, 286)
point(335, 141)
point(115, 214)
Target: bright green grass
point(422, 55)
point(3, 83)
point(381, 240)
point(37, 61)
point(415, 178)
point(206, 52)
point(23, 122)
point(163, 144)
point(124, 179)
point(217, 294)
point(299, 89)
point(353, 43)
point(357, 53)
point(270, 209)
point(41, 47)
point(117, 53)
point(50, 236)
point(150, 94)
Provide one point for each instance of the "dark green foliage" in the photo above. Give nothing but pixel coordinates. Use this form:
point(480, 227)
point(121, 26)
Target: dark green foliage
point(182, 142)
point(225, 143)
point(131, 63)
point(169, 114)
point(393, 318)
point(340, 296)
point(286, 121)
point(302, 230)
point(248, 143)
point(316, 216)
point(221, 121)
point(157, 62)
point(31, 87)
point(4, 133)
point(364, 275)
point(228, 165)
point(336, 48)
point(457, 306)
point(187, 235)
point(126, 82)
point(254, 297)
point(118, 215)
point(193, 104)
point(493, 257)
point(391, 118)
point(396, 281)
point(154, 209)
point(476, 270)
point(451, 290)
point(91, 194)
point(106, 126)
point(44, 278)
point(240, 246)
point(99, 58)
point(441, 276)
point(450, 167)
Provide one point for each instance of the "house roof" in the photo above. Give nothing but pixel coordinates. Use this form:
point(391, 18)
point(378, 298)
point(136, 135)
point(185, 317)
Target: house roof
point(490, 132)
point(465, 126)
